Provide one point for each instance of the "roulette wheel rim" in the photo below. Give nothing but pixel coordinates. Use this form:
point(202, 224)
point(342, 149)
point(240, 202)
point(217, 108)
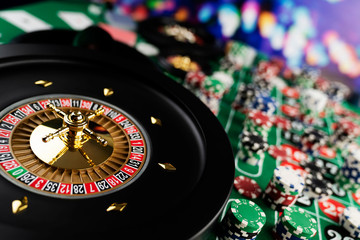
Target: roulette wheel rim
point(208, 195)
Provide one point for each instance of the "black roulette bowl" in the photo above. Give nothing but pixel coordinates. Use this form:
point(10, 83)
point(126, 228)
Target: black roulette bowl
point(181, 204)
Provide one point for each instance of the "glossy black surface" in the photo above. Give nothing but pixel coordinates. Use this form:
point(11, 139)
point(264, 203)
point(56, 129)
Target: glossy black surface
point(162, 205)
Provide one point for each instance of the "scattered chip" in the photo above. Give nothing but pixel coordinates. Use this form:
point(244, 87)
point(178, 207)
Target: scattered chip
point(247, 187)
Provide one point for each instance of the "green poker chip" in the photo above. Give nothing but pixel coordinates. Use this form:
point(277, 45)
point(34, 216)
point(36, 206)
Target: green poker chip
point(251, 218)
point(298, 222)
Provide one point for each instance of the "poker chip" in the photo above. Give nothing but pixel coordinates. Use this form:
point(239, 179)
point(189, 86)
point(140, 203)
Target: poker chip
point(290, 111)
point(280, 153)
point(298, 222)
point(244, 97)
point(312, 139)
point(313, 167)
point(281, 122)
point(338, 91)
point(277, 198)
point(247, 187)
point(350, 220)
point(317, 187)
point(292, 137)
point(213, 87)
point(253, 142)
point(240, 54)
point(251, 218)
point(326, 152)
point(267, 70)
point(260, 118)
point(290, 92)
point(264, 103)
point(195, 78)
point(312, 101)
point(349, 127)
point(288, 180)
point(224, 78)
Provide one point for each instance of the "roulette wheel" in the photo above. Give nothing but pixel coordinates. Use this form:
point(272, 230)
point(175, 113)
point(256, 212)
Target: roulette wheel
point(93, 143)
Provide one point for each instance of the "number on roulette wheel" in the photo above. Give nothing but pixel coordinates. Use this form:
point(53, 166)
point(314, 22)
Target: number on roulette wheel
point(100, 145)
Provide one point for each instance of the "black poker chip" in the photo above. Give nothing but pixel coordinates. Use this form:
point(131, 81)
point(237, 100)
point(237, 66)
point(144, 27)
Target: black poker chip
point(313, 167)
point(253, 142)
point(314, 136)
point(292, 137)
point(245, 95)
point(317, 187)
point(167, 32)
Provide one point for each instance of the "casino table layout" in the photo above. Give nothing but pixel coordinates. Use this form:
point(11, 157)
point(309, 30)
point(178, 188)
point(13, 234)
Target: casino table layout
point(285, 146)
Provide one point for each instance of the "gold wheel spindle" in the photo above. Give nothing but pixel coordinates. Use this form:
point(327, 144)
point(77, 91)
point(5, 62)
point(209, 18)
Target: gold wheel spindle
point(59, 132)
point(88, 159)
point(62, 152)
point(96, 113)
point(56, 110)
point(97, 138)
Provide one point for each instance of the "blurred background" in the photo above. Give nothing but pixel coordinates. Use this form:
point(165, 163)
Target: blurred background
point(321, 33)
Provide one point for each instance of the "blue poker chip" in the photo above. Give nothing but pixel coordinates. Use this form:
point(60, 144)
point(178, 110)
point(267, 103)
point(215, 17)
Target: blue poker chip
point(284, 234)
point(265, 103)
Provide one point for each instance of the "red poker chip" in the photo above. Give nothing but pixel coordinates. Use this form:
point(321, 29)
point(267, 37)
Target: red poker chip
point(247, 187)
point(290, 92)
point(290, 111)
point(260, 118)
point(327, 152)
point(281, 122)
point(280, 153)
point(296, 154)
point(295, 167)
point(195, 78)
point(351, 127)
point(279, 197)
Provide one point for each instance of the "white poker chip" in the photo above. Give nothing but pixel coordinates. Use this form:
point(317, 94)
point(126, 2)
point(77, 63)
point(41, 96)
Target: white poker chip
point(147, 49)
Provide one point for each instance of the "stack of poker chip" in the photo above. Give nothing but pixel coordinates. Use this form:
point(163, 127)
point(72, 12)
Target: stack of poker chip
point(259, 122)
point(243, 220)
point(317, 187)
point(194, 79)
point(346, 131)
point(312, 102)
point(350, 220)
point(267, 70)
point(265, 103)
point(212, 103)
point(338, 91)
point(312, 139)
point(213, 87)
point(349, 176)
point(307, 77)
point(244, 97)
point(295, 224)
point(252, 147)
point(283, 189)
point(239, 54)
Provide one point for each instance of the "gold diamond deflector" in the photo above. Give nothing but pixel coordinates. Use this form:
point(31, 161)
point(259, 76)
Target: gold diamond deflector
point(116, 207)
point(156, 121)
point(167, 166)
point(108, 92)
point(19, 205)
point(43, 83)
